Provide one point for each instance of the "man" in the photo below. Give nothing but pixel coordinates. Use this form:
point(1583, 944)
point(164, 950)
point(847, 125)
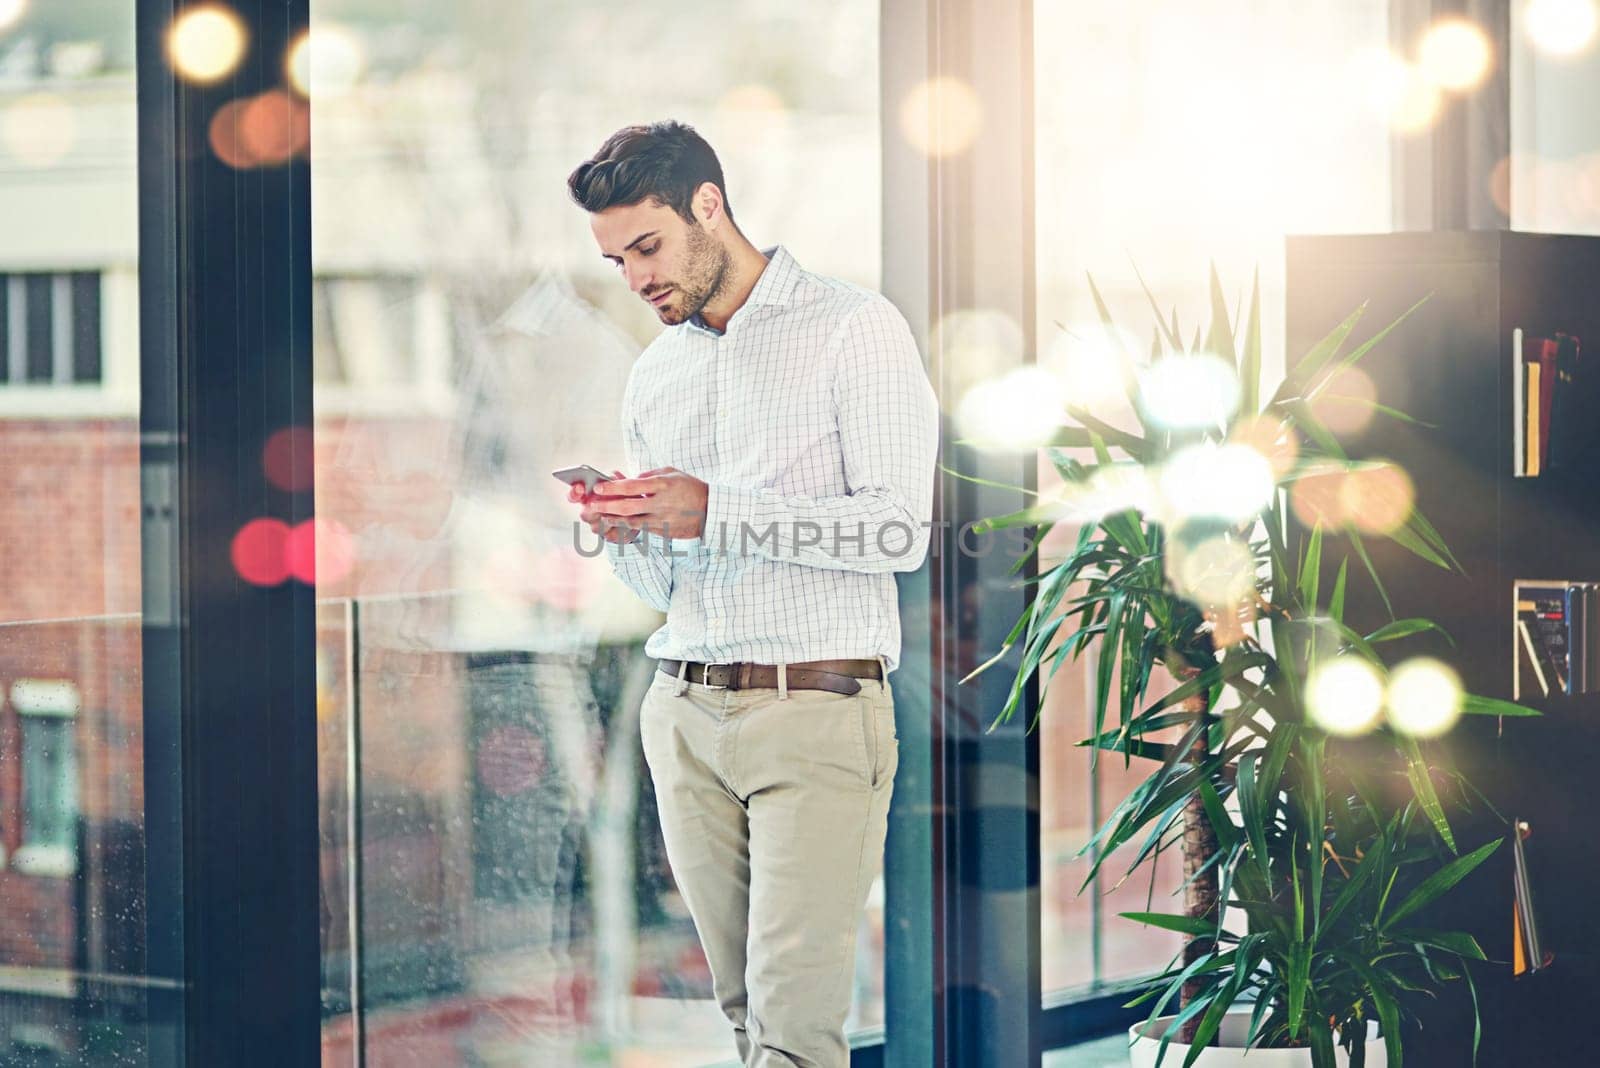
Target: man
point(790, 435)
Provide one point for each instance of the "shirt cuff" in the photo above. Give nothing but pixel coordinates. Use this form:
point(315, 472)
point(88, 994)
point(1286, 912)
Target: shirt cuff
point(729, 511)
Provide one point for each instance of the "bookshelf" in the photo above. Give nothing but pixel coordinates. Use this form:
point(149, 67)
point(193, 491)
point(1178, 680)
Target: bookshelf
point(1454, 364)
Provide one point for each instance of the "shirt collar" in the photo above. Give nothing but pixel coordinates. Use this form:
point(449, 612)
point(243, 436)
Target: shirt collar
point(775, 286)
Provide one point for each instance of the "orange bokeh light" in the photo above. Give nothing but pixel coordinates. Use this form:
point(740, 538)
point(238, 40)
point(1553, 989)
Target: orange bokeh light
point(274, 126)
point(224, 136)
point(1377, 499)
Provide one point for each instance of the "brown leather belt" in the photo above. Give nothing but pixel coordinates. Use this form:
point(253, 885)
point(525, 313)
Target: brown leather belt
point(836, 676)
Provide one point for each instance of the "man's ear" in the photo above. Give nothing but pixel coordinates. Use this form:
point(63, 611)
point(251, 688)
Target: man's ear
point(708, 205)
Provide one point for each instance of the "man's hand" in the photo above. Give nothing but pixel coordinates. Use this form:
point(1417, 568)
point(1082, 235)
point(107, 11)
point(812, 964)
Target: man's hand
point(607, 528)
point(664, 500)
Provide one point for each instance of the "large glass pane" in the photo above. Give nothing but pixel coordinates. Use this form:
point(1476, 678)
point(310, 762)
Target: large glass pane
point(1171, 135)
point(495, 886)
point(73, 988)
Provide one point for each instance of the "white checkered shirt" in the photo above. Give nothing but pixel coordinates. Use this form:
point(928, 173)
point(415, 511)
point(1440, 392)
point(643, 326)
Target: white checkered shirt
point(812, 421)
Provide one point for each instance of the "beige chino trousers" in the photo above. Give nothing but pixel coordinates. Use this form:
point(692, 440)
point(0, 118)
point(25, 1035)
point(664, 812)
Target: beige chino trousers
point(774, 804)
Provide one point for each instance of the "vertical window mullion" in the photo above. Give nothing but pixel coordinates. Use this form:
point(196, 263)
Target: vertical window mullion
point(17, 328)
point(61, 329)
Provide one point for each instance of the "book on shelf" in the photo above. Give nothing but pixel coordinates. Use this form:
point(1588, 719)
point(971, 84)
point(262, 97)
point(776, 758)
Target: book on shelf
point(1557, 637)
point(1546, 411)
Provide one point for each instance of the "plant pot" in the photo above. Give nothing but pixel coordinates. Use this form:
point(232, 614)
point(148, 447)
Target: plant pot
point(1229, 1051)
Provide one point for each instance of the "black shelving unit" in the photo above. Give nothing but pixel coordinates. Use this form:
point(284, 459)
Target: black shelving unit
point(1450, 365)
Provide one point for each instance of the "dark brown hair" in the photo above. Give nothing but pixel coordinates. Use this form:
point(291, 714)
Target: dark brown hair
point(665, 160)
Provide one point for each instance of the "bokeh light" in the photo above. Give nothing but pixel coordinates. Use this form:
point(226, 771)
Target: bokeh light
point(1216, 571)
point(1314, 497)
point(1189, 391)
point(287, 459)
point(319, 550)
point(1397, 91)
point(1021, 409)
point(1500, 185)
point(326, 60)
point(1091, 361)
point(273, 127)
point(258, 552)
point(751, 99)
point(39, 129)
point(1344, 696)
point(941, 117)
point(1272, 437)
point(225, 135)
point(976, 345)
point(1455, 55)
point(1561, 27)
point(1118, 487)
point(206, 43)
point(11, 11)
point(1219, 481)
point(1345, 404)
point(1424, 698)
point(1377, 499)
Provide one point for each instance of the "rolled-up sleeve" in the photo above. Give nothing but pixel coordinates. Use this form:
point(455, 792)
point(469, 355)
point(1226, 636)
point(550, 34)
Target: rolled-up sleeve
point(644, 564)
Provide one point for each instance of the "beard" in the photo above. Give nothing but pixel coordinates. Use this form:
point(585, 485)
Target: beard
point(705, 274)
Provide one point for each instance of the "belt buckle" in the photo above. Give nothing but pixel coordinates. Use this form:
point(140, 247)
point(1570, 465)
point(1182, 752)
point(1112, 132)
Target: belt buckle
point(705, 674)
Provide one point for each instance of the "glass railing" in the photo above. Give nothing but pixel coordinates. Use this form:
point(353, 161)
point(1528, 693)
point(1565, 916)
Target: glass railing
point(495, 888)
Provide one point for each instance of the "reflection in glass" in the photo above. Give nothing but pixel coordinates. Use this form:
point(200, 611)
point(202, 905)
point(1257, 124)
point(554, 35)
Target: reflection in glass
point(494, 885)
point(73, 988)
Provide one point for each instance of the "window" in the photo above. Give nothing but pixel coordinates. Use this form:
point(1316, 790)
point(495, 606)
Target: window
point(47, 711)
point(1170, 135)
point(50, 327)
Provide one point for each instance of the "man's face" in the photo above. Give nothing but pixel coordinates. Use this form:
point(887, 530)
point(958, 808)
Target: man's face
point(674, 265)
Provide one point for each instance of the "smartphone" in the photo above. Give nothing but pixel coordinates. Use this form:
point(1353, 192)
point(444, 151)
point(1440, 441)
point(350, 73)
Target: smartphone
point(582, 473)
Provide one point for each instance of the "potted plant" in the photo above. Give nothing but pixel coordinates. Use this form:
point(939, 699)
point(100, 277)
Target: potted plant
point(1288, 752)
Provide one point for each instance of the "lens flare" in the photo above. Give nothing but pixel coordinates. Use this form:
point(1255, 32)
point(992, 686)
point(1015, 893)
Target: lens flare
point(1022, 409)
point(326, 60)
point(1424, 698)
point(1455, 55)
point(206, 43)
point(1344, 696)
point(1189, 391)
point(1561, 27)
point(941, 117)
point(1217, 481)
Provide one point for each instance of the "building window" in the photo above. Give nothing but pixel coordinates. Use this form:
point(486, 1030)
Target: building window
point(50, 328)
point(47, 710)
point(365, 330)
